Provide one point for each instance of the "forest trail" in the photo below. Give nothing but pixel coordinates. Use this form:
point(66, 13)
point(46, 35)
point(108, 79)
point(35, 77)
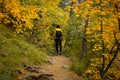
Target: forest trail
point(60, 68)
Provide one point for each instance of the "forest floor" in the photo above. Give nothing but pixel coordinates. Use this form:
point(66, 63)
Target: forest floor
point(58, 66)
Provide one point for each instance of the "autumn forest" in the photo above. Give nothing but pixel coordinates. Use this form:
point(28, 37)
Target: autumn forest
point(91, 35)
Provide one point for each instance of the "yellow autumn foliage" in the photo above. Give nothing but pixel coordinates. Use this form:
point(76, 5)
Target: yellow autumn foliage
point(21, 17)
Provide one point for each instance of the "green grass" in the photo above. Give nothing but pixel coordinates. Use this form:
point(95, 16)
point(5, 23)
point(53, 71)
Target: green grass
point(15, 51)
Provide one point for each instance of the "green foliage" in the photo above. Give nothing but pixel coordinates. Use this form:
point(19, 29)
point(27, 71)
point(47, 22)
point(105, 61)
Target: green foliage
point(80, 65)
point(16, 51)
point(73, 36)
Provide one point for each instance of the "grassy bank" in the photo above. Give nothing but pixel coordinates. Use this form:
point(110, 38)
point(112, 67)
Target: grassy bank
point(16, 51)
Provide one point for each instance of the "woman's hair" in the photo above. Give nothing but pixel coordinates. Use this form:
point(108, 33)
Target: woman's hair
point(58, 26)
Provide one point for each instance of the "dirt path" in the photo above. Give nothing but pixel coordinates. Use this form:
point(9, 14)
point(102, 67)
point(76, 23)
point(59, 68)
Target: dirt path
point(60, 68)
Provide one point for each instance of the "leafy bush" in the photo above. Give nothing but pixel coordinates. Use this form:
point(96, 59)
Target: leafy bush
point(79, 65)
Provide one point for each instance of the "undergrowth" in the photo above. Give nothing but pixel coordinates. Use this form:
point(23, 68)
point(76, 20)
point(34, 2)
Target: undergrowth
point(16, 51)
point(79, 65)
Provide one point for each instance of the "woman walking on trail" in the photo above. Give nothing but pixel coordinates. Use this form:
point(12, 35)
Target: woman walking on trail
point(58, 39)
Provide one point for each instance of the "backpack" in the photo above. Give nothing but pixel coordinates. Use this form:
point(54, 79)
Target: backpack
point(58, 34)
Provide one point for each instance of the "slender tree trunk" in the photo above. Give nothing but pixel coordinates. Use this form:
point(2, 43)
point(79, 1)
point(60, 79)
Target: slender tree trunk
point(84, 43)
point(119, 23)
point(104, 70)
point(2, 6)
point(81, 1)
point(117, 8)
point(71, 9)
point(103, 48)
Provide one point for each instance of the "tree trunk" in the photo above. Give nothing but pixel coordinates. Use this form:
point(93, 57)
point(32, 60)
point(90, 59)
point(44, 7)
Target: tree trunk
point(119, 23)
point(104, 70)
point(84, 43)
point(81, 1)
point(103, 48)
point(118, 17)
point(71, 9)
point(2, 6)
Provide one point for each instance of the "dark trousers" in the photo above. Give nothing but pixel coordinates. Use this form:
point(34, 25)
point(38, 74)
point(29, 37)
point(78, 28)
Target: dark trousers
point(58, 44)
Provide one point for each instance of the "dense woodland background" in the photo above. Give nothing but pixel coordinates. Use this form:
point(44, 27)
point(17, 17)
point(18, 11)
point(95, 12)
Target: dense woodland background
point(91, 35)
